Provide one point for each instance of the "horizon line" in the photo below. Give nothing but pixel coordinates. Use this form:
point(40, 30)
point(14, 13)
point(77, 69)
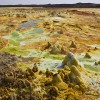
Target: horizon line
point(52, 3)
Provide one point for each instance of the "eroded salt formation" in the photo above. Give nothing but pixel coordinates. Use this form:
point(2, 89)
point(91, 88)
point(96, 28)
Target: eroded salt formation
point(69, 60)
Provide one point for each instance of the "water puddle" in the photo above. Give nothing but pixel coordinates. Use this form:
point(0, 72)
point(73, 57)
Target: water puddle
point(28, 24)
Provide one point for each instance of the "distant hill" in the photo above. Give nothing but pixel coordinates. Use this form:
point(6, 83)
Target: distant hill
point(77, 5)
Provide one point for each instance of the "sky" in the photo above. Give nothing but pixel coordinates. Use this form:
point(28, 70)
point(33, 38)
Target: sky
point(7, 2)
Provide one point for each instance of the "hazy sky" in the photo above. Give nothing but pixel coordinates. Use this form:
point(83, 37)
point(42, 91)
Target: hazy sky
point(45, 1)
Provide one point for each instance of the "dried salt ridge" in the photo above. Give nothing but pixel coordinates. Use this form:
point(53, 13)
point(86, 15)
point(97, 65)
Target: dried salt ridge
point(9, 63)
point(14, 83)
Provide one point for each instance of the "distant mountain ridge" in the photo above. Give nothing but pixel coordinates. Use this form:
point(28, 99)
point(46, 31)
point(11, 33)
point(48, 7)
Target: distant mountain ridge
point(77, 5)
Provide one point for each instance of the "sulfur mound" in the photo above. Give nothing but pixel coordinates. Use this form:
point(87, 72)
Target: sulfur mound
point(73, 45)
point(47, 46)
point(55, 49)
point(35, 68)
point(87, 55)
point(48, 73)
point(97, 63)
point(59, 83)
point(75, 70)
point(54, 91)
point(69, 60)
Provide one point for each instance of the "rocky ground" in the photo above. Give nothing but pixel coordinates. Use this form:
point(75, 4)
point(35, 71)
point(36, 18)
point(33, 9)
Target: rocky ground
point(49, 54)
point(67, 83)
